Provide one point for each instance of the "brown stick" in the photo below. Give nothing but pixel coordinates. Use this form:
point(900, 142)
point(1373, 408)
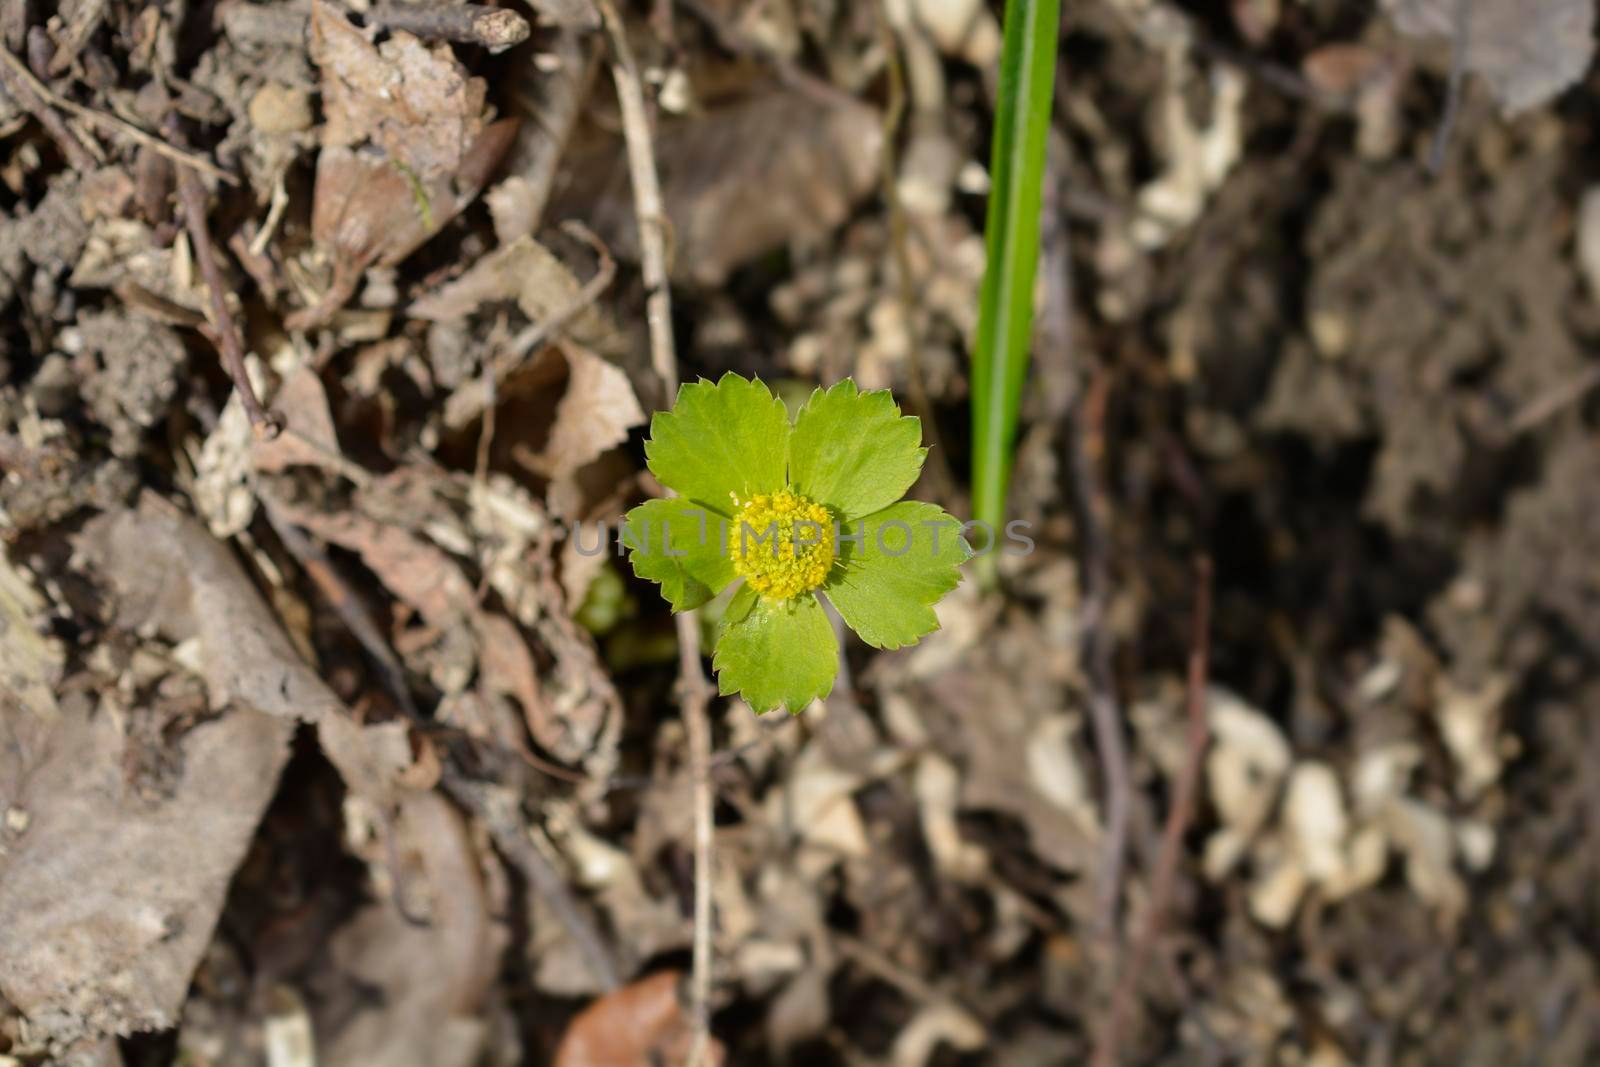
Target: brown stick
point(331, 584)
point(1105, 712)
point(694, 691)
point(1179, 815)
point(1452, 96)
point(510, 836)
point(495, 28)
point(112, 122)
point(19, 83)
point(942, 481)
point(193, 195)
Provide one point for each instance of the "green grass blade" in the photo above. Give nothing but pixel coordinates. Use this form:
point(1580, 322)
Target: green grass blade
point(1005, 312)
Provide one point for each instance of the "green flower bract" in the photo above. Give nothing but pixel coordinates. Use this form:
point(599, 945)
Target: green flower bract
point(730, 452)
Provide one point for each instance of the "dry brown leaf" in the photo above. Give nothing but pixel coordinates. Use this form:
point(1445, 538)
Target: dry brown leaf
point(416, 104)
point(595, 414)
point(525, 271)
point(1527, 51)
point(412, 991)
point(420, 573)
point(738, 182)
point(109, 896)
point(304, 405)
point(639, 1025)
point(406, 146)
point(507, 668)
point(167, 571)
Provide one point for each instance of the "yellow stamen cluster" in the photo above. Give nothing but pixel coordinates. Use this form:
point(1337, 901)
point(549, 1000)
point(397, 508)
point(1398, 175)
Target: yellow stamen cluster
point(763, 544)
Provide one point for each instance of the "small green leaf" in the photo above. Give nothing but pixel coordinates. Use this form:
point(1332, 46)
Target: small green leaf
point(854, 451)
point(679, 544)
point(885, 587)
point(782, 653)
point(731, 437)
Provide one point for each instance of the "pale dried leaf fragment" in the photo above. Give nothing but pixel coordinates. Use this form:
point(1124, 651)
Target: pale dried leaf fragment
point(817, 805)
point(29, 663)
point(1245, 767)
point(937, 1024)
point(938, 791)
point(1469, 723)
point(1198, 158)
point(1315, 818)
point(1425, 837)
point(1526, 51)
point(1588, 240)
point(312, 442)
point(644, 926)
point(1057, 772)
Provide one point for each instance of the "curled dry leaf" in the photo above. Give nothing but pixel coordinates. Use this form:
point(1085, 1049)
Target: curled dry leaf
point(937, 1024)
point(405, 147)
point(639, 1025)
point(1526, 51)
point(594, 415)
point(738, 182)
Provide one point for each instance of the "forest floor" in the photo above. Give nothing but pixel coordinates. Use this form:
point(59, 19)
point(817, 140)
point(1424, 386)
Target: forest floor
point(329, 745)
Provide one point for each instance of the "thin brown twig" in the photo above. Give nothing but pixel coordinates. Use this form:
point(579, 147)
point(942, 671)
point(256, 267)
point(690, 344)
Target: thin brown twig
point(893, 119)
point(1548, 403)
point(1452, 92)
point(510, 836)
point(20, 84)
point(648, 204)
point(193, 195)
point(114, 123)
point(1179, 814)
point(694, 691)
point(337, 592)
point(495, 28)
point(1105, 713)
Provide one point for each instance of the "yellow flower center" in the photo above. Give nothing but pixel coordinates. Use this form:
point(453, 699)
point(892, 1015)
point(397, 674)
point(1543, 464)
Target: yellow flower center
point(781, 544)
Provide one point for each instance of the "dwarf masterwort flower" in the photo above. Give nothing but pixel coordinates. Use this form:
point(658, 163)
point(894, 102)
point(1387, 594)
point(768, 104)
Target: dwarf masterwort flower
point(793, 512)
